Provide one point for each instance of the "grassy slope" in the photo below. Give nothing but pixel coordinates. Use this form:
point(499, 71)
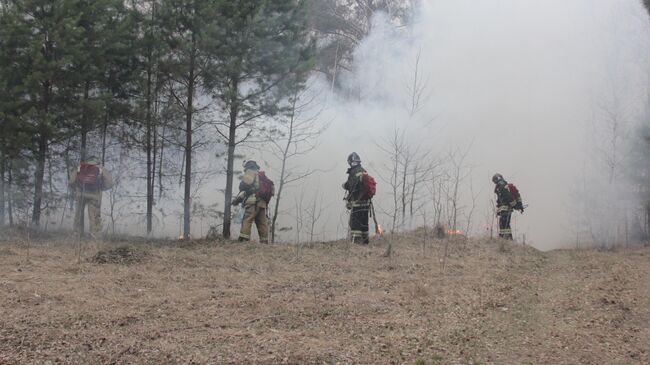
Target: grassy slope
point(232, 303)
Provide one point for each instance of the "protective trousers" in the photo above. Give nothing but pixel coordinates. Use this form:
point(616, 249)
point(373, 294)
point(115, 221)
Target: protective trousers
point(505, 231)
point(257, 214)
point(359, 224)
point(94, 202)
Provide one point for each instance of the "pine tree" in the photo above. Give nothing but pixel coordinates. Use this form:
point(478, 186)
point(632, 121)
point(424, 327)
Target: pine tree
point(152, 50)
point(184, 25)
point(104, 63)
point(260, 48)
point(43, 38)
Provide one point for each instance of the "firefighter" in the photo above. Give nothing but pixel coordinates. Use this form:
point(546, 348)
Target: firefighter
point(89, 180)
point(356, 200)
point(254, 202)
point(505, 205)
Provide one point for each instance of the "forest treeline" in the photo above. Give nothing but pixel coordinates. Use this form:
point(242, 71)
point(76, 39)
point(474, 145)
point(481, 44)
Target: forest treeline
point(144, 80)
point(81, 77)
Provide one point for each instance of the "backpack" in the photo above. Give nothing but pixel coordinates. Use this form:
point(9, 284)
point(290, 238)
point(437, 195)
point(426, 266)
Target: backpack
point(88, 177)
point(516, 196)
point(369, 186)
point(266, 188)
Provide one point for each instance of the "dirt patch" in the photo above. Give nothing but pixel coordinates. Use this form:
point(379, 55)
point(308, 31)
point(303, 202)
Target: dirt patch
point(123, 255)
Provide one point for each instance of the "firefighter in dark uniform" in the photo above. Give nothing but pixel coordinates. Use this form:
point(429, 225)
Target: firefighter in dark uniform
point(505, 205)
point(355, 200)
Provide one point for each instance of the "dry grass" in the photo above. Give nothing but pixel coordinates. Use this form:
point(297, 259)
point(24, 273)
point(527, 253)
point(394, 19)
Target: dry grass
point(228, 303)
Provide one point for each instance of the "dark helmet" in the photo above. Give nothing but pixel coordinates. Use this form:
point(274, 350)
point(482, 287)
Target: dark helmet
point(251, 165)
point(354, 159)
point(497, 177)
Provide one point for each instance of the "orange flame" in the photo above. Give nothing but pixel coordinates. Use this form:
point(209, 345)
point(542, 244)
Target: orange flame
point(454, 232)
point(379, 231)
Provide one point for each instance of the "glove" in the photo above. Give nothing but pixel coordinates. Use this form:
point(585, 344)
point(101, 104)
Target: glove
point(236, 201)
point(348, 205)
point(521, 210)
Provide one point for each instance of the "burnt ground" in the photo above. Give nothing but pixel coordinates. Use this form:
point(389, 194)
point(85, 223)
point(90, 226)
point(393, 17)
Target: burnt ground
point(230, 303)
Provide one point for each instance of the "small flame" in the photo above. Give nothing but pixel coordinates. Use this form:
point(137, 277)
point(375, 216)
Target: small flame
point(454, 232)
point(183, 238)
point(379, 231)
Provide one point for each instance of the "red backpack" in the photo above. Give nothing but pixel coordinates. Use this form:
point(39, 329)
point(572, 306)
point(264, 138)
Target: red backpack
point(266, 188)
point(88, 177)
point(369, 186)
point(514, 191)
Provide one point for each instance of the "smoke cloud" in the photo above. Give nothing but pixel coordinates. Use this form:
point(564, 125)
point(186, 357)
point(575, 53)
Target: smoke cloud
point(519, 84)
point(525, 88)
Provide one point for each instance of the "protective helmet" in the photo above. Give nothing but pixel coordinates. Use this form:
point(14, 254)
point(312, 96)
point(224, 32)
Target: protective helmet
point(354, 159)
point(497, 177)
point(251, 165)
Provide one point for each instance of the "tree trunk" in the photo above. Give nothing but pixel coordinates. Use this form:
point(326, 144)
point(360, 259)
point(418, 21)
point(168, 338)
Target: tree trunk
point(647, 221)
point(232, 136)
point(188, 147)
point(160, 162)
point(43, 139)
point(2, 191)
point(84, 123)
point(150, 151)
point(10, 205)
point(39, 174)
point(276, 209)
point(278, 196)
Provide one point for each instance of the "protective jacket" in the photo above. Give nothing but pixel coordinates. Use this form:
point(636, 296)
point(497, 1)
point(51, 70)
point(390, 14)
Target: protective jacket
point(354, 186)
point(360, 207)
point(505, 201)
point(90, 199)
point(505, 204)
point(254, 208)
point(248, 188)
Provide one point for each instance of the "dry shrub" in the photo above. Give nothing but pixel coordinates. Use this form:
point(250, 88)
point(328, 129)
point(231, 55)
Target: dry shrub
point(124, 255)
point(4, 251)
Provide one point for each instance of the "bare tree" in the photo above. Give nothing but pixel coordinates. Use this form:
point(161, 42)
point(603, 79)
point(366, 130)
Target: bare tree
point(393, 148)
point(299, 218)
point(296, 135)
point(611, 128)
point(313, 213)
point(469, 214)
point(456, 174)
point(417, 90)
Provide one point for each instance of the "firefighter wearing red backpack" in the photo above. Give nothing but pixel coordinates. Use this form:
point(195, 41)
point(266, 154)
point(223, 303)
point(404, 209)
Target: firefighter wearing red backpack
point(255, 192)
point(89, 180)
point(508, 199)
point(360, 188)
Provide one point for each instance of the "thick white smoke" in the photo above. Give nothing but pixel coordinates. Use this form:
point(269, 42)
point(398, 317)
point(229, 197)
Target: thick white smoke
point(525, 87)
point(519, 83)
